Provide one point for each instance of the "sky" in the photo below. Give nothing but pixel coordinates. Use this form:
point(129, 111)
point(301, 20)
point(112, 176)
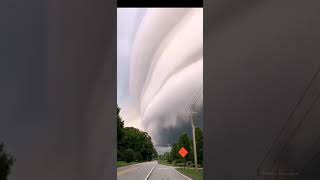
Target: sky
point(252, 86)
point(160, 70)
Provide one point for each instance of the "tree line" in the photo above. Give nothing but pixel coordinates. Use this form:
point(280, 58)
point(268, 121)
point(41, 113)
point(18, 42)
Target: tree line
point(132, 143)
point(185, 141)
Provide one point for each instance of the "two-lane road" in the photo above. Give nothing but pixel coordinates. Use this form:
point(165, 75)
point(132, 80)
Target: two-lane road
point(153, 170)
point(135, 172)
point(162, 172)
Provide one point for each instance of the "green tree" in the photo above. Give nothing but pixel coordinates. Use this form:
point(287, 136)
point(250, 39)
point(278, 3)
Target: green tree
point(129, 155)
point(120, 132)
point(132, 138)
point(6, 162)
point(119, 126)
point(139, 141)
point(138, 156)
point(184, 141)
point(174, 152)
point(154, 154)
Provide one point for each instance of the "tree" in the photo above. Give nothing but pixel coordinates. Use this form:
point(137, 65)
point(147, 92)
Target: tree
point(129, 155)
point(154, 154)
point(120, 129)
point(184, 141)
point(120, 125)
point(138, 156)
point(132, 138)
point(6, 161)
point(174, 152)
point(139, 141)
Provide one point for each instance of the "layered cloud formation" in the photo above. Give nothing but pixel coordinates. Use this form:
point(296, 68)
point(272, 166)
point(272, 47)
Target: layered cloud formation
point(163, 53)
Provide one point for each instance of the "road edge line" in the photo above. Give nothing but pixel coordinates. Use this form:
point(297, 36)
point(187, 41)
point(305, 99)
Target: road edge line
point(183, 175)
point(150, 172)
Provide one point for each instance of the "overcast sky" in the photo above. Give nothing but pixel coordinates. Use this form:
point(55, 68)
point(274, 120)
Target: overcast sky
point(159, 69)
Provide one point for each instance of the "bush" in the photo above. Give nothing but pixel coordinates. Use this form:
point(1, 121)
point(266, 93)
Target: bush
point(129, 155)
point(138, 156)
point(179, 161)
point(119, 155)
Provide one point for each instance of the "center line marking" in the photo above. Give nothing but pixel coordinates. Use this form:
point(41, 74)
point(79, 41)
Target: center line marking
point(150, 172)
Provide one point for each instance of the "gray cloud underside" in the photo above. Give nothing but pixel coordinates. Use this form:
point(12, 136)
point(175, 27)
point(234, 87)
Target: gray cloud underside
point(166, 69)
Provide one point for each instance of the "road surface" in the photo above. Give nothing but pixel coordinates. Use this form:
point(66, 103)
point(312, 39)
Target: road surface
point(153, 170)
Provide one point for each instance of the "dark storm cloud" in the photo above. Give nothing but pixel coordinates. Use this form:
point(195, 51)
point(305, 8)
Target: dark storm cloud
point(166, 69)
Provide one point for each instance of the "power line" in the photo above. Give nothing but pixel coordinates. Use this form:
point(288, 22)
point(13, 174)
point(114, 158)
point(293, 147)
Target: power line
point(275, 141)
point(195, 101)
point(293, 134)
point(196, 92)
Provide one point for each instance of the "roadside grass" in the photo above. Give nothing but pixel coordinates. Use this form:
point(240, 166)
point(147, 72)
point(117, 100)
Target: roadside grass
point(123, 163)
point(192, 173)
point(164, 162)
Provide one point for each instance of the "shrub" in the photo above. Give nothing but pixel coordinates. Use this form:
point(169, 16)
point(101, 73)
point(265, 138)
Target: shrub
point(129, 155)
point(138, 156)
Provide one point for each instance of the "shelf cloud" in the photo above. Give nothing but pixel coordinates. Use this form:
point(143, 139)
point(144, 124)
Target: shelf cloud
point(164, 70)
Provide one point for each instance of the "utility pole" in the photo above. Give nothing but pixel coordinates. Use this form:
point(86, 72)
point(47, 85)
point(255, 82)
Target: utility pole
point(194, 142)
point(169, 152)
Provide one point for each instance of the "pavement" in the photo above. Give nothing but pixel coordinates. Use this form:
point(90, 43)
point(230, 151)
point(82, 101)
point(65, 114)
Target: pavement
point(149, 170)
point(163, 172)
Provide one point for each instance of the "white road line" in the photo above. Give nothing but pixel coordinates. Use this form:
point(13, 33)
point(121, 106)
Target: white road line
point(150, 172)
point(183, 175)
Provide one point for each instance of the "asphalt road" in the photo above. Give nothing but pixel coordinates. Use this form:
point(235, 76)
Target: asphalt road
point(162, 172)
point(142, 170)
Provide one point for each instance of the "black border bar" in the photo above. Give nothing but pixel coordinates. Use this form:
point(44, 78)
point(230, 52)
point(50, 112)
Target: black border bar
point(159, 3)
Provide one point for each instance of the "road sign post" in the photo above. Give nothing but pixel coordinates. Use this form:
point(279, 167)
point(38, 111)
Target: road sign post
point(183, 153)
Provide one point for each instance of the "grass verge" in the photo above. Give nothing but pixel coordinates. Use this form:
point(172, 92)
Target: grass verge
point(164, 162)
point(192, 173)
point(123, 163)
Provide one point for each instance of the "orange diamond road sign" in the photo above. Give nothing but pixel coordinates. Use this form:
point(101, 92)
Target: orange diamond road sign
point(183, 152)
